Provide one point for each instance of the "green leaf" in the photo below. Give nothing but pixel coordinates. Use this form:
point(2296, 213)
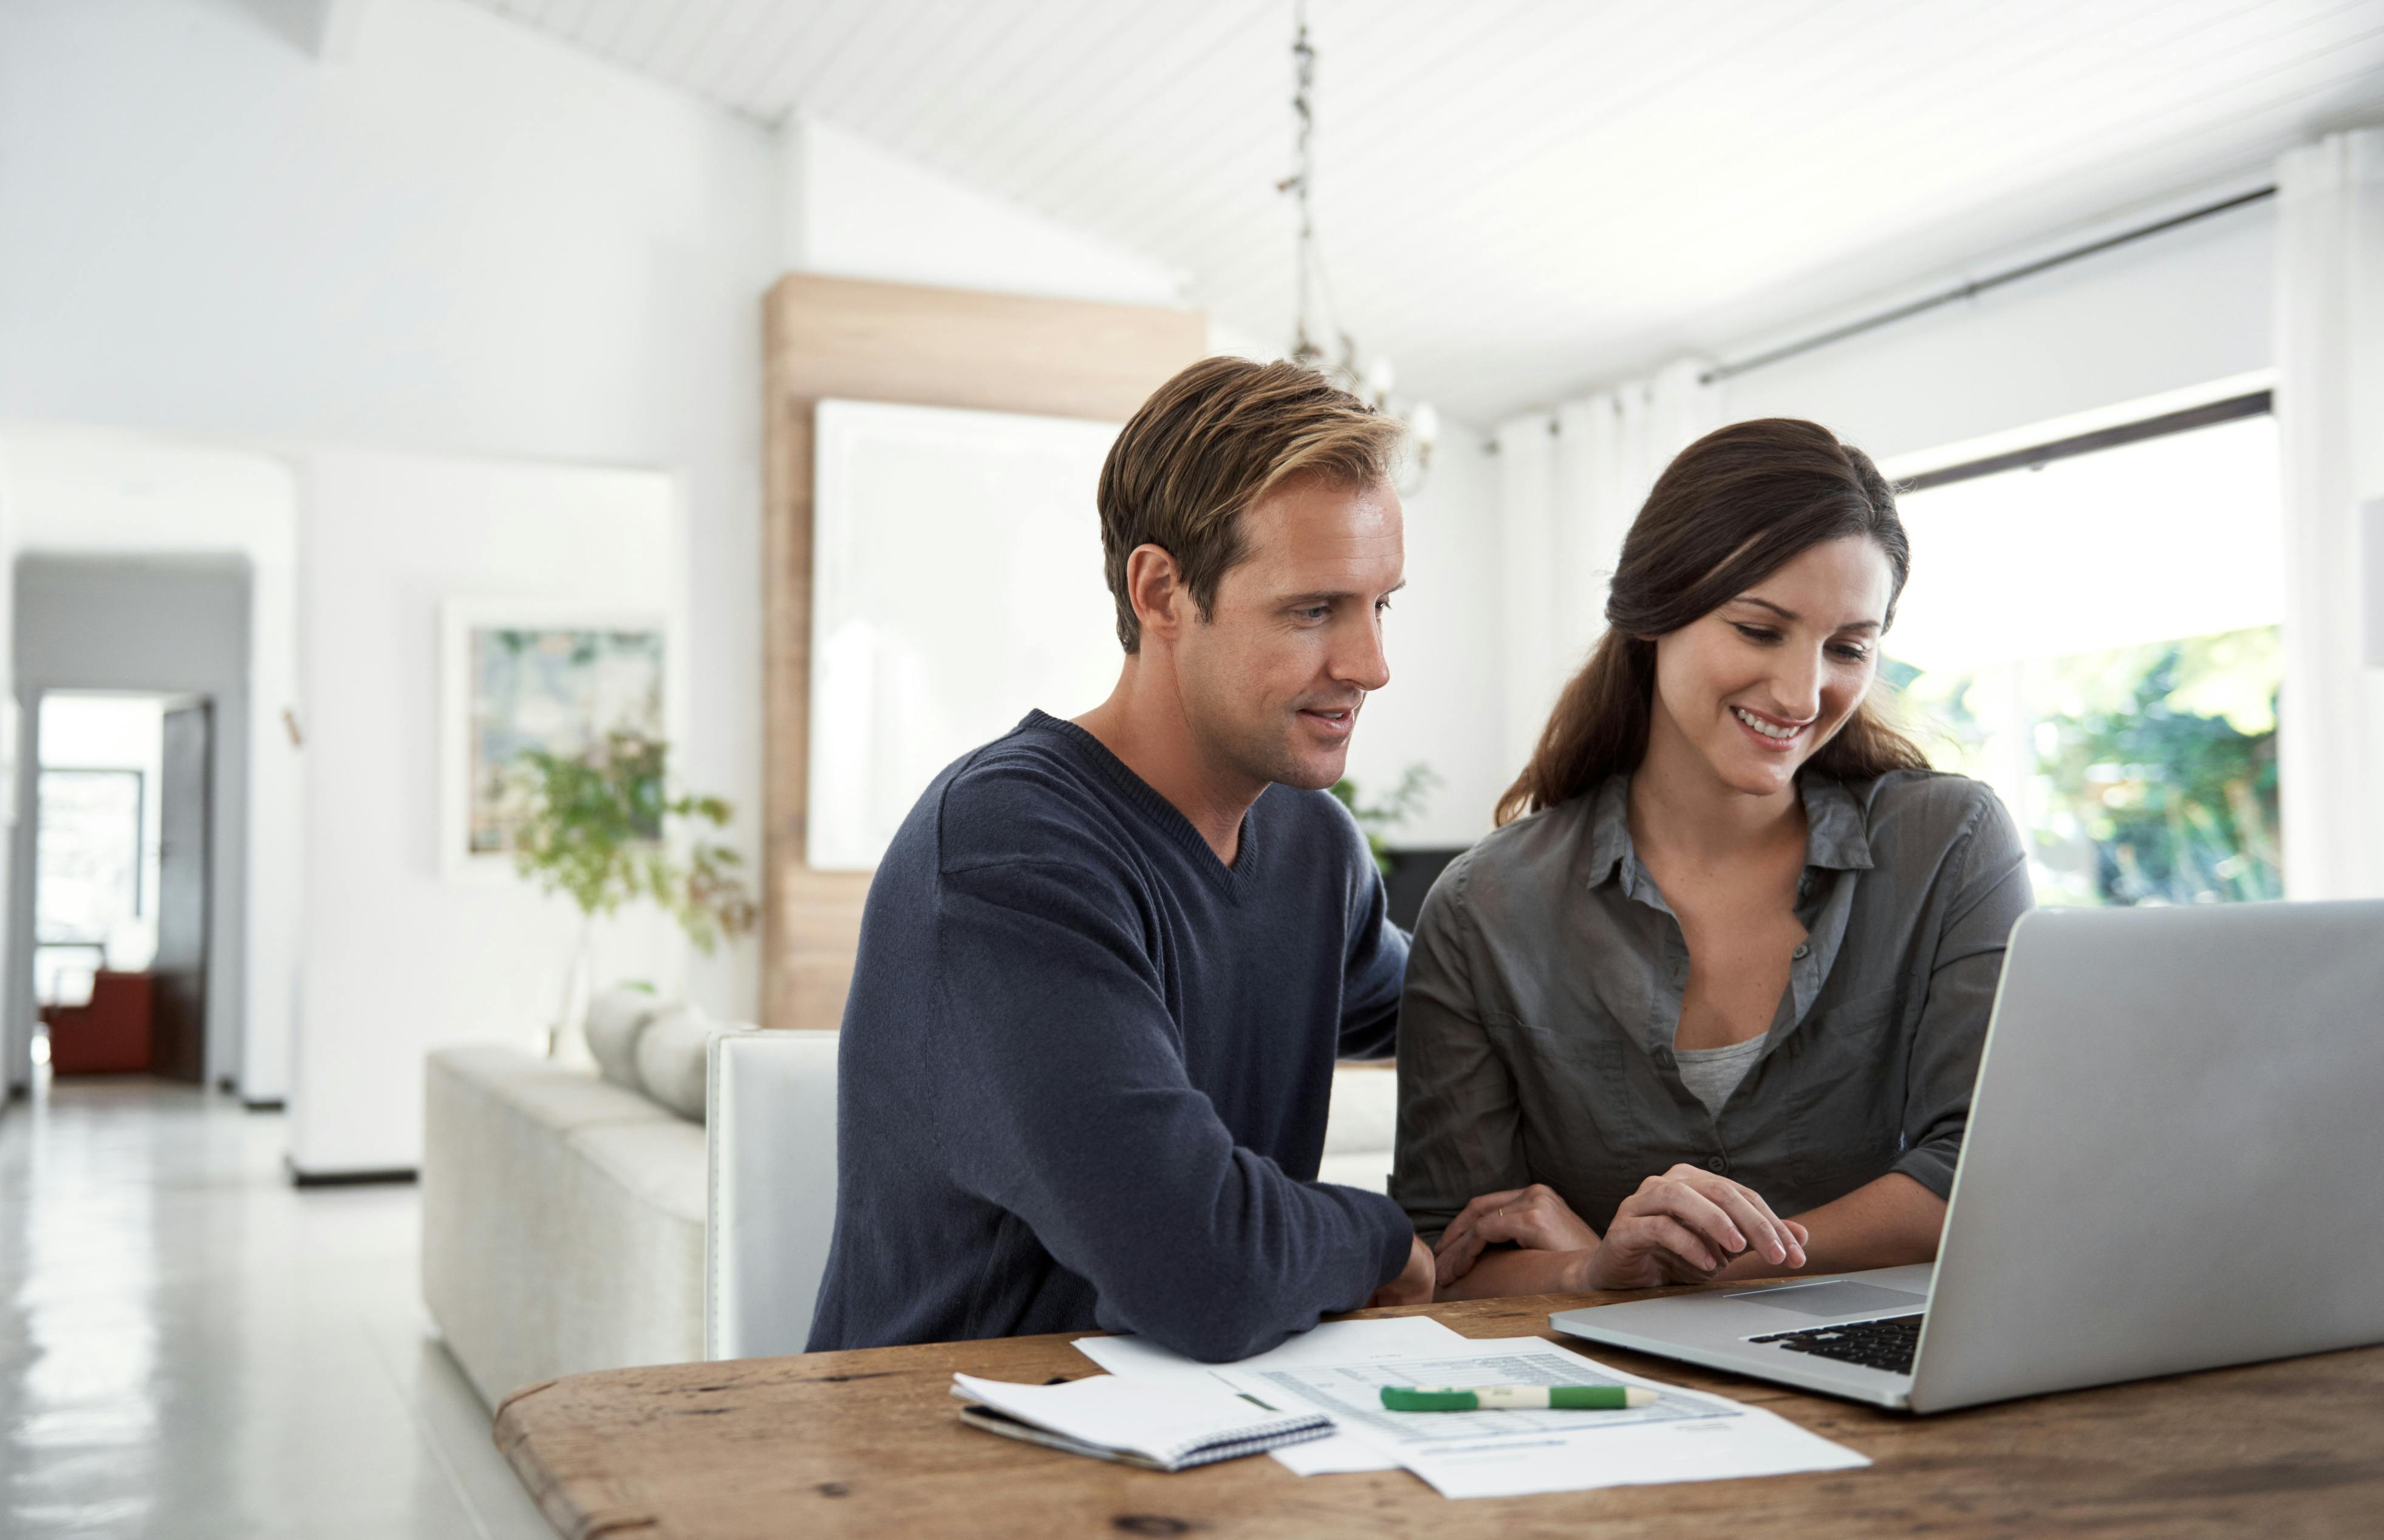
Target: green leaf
point(600, 828)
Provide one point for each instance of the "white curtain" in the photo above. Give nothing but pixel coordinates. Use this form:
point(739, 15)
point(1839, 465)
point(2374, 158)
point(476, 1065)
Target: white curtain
point(1570, 483)
point(2330, 412)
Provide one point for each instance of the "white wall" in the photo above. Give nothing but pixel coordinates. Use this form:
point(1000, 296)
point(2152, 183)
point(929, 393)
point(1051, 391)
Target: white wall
point(2166, 313)
point(850, 208)
point(1442, 707)
point(469, 240)
point(399, 957)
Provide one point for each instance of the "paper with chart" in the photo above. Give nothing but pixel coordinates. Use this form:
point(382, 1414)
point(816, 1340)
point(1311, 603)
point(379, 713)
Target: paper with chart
point(1686, 1435)
point(1339, 1342)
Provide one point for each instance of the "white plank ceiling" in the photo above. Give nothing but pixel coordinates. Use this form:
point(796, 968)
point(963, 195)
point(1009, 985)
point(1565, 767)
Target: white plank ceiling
point(1520, 197)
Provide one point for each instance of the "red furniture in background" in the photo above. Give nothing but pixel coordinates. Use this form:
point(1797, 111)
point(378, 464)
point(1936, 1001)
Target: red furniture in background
point(110, 1035)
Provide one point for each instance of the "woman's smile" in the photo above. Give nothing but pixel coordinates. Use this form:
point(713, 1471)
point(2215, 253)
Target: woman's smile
point(1772, 734)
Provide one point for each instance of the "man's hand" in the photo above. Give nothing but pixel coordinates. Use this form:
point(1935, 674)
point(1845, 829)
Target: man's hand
point(1534, 1218)
point(1686, 1226)
point(1413, 1286)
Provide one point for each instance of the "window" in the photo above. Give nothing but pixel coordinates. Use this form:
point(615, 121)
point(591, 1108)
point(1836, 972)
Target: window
point(89, 854)
point(2096, 635)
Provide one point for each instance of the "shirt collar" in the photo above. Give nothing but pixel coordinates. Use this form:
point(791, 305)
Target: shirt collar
point(1835, 833)
point(1609, 829)
point(1835, 837)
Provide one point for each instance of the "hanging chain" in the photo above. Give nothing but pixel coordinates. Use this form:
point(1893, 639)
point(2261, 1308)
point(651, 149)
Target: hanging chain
point(1314, 310)
point(1304, 350)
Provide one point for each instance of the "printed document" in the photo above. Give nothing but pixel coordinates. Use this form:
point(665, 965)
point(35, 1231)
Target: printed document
point(1685, 1436)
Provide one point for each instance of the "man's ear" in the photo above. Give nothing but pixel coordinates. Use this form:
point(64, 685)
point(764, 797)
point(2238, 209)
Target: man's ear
point(1154, 586)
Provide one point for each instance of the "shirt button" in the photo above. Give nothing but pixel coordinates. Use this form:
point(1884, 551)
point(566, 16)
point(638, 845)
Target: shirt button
point(1664, 1057)
point(1715, 1163)
point(1802, 948)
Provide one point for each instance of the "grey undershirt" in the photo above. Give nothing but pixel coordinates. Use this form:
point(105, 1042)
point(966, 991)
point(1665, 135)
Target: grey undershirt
point(1712, 1073)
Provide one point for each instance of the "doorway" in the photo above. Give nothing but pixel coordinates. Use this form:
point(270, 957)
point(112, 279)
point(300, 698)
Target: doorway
point(122, 870)
point(132, 664)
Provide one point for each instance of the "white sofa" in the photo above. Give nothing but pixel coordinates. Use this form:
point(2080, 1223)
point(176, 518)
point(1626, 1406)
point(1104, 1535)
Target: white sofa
point(561, 1221)
point(564, 1216)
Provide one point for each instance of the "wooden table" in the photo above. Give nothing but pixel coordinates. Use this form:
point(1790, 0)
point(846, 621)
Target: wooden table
point(868, 1442)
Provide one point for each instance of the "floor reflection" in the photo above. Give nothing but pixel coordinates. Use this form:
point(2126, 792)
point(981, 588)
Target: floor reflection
point(190, 1348)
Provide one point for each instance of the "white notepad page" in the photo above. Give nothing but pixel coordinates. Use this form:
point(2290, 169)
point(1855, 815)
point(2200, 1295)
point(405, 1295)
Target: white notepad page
point(1162, 1420)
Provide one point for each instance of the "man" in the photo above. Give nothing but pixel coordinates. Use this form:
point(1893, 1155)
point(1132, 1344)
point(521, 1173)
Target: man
point(1107, 964)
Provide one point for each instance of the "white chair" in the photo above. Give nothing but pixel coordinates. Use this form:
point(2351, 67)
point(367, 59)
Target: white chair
point(1362, 1127)
point(771, 1127)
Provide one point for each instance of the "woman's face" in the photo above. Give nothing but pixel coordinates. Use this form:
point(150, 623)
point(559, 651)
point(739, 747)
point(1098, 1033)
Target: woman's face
point(1757, 687)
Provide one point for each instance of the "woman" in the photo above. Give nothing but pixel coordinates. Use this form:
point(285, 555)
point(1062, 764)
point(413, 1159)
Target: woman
point(1729, 957)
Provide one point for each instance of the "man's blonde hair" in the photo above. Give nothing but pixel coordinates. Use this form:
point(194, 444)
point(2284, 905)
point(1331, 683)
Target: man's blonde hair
point(1210, 443)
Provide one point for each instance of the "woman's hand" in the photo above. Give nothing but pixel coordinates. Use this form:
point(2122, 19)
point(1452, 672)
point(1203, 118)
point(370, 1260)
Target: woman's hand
point(1686, 1226)
point(1534, 1218)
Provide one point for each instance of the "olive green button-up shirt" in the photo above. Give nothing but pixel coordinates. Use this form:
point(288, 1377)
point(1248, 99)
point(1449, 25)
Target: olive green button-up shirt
point(1544, 988)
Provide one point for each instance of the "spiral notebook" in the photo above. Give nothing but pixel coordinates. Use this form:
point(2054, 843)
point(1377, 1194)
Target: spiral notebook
point(1155, 1427)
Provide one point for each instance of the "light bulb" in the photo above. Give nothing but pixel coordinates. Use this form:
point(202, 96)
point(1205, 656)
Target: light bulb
point(1424, 423)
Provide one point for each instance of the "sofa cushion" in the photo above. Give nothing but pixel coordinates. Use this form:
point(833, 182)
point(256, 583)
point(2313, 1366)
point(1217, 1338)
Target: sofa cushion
point(671, 1054)
point(556, 1096)
point(661, 1163)
point(615, 1017)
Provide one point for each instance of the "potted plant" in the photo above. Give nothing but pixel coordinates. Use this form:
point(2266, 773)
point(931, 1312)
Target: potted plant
point(604, 829)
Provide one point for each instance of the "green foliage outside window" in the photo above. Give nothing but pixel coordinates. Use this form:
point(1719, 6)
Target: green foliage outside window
point(2155, 766)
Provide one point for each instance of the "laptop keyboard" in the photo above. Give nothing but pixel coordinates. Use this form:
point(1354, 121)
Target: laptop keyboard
point(1883, 1344)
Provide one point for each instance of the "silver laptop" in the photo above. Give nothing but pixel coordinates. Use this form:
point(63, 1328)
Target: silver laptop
point(2171, 1164)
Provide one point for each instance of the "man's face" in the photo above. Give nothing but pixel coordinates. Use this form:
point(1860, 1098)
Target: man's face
point(1272, 682)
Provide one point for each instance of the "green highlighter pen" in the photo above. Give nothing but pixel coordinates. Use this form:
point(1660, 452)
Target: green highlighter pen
point(1515, 1397)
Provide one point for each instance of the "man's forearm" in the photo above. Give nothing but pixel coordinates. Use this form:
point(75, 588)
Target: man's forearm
point(1883, 1223)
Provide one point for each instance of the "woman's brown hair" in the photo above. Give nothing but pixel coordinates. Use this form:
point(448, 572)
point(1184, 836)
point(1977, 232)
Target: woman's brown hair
point(1730, 510)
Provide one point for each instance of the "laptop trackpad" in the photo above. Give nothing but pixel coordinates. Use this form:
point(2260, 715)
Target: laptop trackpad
point(1841, 1296)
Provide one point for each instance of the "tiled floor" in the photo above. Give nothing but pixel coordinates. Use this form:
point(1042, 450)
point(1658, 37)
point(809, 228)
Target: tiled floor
point(190, 1348)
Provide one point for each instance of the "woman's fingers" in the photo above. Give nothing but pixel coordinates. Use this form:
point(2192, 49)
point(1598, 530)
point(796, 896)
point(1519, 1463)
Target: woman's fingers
point(1551, 1224)
point(1452, 1262)
point(1531, 1216)
point(1537, 1220)
point(1460, 1245)
point(1766, 1231)
point(1751, 1223)
point(1695, 1212)
point(1463, 1226)
point(1663, 1233)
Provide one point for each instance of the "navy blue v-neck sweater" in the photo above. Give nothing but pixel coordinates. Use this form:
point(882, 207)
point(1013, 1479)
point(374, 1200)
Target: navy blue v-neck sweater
point(1084, 1065)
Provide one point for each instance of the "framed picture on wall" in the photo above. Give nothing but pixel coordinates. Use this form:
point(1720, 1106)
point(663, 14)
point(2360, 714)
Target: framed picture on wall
point(517, 677)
